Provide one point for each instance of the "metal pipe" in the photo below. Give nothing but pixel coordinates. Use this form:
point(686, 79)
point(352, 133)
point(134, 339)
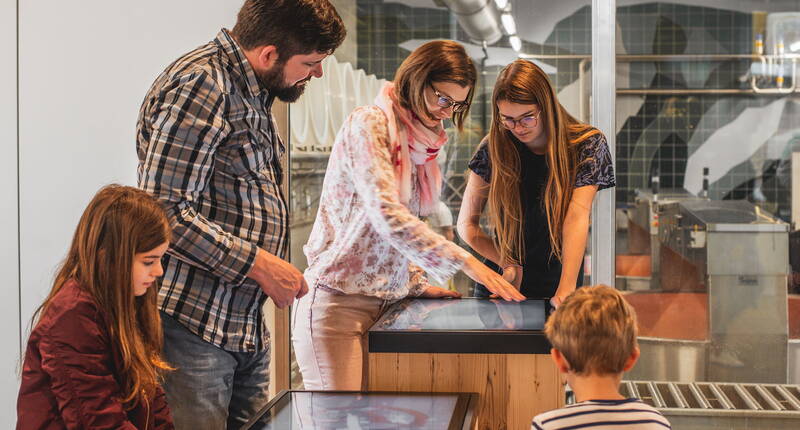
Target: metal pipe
point(721, 397)
point(767, 396)
point(698, 395)
point(484, 102)
point(677, 395)
point(480, 19)
point(634, 390)
point(629, 386)
point(748, 399)
point(631, 58)
point(681, 91)
point(764, 59)
point(788, 396)
point(686, 57)
point(781, 91)
point(582, 90)
point(657, 399)
point(554, 57)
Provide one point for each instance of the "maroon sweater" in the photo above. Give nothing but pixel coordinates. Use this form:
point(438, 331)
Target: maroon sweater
point(69, 377)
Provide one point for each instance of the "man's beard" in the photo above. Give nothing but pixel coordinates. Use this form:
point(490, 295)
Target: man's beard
point(274, 81)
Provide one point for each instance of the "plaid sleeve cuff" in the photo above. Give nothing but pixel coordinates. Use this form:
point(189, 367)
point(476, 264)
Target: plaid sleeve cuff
point(236, 264)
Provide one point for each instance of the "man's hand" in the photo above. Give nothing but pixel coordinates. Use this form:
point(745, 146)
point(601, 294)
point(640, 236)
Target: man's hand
point(278, 279)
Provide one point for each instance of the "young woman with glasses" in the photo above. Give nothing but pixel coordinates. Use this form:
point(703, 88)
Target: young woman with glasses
point(368, 248)
point(539, 169)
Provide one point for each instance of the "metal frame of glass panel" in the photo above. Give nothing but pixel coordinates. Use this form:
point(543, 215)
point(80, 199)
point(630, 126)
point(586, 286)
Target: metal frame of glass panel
point(604, 94)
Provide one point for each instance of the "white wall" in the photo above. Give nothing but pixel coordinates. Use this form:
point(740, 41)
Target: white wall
point(84, 70)
point(9, 293)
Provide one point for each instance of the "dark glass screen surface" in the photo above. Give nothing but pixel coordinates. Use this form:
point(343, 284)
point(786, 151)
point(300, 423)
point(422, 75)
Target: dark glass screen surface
point(463, 315)
point(374, 411)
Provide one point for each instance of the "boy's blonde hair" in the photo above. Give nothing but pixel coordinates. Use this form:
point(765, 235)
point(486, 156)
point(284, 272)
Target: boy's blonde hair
point(594, 329)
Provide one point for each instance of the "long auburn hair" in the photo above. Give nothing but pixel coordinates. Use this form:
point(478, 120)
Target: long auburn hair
point(118, 223)
point(435, 61)
point(525, 83)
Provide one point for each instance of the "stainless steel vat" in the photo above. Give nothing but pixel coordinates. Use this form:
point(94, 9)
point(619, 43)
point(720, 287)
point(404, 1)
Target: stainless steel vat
point(670, 360)
point(740, 257)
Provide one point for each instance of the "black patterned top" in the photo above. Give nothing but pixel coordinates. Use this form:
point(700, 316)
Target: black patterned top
point(541, 270)
point(595, 166)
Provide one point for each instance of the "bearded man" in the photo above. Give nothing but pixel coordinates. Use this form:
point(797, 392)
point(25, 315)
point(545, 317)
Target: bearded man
point(208, 149)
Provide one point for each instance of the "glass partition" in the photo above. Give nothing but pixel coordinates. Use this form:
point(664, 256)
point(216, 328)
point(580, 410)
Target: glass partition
point(380, 35)
point(707, 136)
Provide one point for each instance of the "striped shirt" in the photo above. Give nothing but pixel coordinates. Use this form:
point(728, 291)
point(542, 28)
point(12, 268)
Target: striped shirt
point(209, 151)
point(629, 414)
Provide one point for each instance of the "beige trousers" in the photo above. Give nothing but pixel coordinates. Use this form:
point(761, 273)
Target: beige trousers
point(329, 335)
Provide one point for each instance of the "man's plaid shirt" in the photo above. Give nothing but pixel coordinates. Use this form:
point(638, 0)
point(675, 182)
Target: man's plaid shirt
point(208, 149)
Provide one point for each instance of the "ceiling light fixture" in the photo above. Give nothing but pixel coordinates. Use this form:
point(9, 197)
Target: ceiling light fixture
point(508, 23)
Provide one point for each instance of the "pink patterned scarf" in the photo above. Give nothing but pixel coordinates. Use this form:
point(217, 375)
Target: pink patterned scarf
point(412, 142)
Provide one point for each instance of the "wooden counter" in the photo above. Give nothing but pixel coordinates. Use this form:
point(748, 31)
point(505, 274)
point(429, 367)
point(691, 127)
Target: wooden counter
point(495, 349)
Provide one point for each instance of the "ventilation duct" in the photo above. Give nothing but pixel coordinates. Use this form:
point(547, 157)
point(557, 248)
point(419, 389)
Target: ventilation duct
point(480, 19)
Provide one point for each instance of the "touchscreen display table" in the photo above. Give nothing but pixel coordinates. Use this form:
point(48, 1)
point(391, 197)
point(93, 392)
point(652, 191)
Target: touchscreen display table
point(469, 325)
point(491, 347)
point(320, 410)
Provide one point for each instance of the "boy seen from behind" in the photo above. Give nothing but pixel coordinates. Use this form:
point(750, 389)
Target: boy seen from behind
point(593, 334)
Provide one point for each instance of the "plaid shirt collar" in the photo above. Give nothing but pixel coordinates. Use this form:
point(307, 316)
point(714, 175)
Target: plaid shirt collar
point(243, 70)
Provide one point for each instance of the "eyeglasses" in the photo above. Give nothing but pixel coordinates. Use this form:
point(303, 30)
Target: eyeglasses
point(445, 102)
point(528, 121)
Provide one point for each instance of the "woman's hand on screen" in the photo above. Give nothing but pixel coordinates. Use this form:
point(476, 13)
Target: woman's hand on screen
point(491, 280)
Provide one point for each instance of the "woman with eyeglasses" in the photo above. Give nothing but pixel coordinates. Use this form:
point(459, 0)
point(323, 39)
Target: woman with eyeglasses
point(539, 169)
point(368, 248)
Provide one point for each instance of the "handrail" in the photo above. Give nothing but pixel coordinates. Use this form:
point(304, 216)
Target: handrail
point(766, 60)
point(632, 58)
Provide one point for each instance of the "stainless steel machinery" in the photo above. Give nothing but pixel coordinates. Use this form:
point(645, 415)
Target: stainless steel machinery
point(729, 406)
point(738, 254)
point(644, 221)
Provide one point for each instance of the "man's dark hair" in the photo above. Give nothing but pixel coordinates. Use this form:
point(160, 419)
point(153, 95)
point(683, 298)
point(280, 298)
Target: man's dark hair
point(292, 26)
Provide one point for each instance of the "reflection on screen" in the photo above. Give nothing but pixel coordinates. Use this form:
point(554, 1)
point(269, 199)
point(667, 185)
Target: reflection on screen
point(465, 314)
point(356, 411)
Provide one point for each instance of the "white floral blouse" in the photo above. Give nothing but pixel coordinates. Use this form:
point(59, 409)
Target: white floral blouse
point(364, 240)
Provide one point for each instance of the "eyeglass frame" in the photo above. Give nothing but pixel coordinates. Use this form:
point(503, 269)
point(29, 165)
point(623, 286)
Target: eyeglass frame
point(457, 106)
point(515, 122)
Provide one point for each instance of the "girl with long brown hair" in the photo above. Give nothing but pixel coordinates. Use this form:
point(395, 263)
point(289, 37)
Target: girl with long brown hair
point(539, 169)
point(93, 359)
point(368, 247)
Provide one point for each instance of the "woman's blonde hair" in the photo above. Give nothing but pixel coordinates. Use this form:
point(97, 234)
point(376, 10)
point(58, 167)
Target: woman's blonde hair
point(525, 83)
point(595, 330)
point(436, 61)
point(118, 223)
